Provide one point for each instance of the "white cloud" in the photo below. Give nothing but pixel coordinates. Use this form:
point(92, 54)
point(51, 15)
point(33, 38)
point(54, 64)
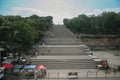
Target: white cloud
point(59, 9)
point(27, 11)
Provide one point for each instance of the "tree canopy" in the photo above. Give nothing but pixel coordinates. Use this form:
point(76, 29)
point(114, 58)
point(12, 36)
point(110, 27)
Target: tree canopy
point(18, 34)
point(105, 23)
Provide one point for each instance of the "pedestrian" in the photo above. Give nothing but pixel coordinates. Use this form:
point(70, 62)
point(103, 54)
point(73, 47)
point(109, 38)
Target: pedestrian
point(36, 53)
point(114, 71)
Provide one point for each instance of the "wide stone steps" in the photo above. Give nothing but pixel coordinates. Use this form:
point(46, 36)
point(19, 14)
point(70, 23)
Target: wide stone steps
point(63, 47)
point(60, 41)
point(67, 63)
point(70, 67)
point(61, 32)
point(62, 51)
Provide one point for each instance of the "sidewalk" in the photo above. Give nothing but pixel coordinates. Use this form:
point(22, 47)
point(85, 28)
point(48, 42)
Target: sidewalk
point(81, 73)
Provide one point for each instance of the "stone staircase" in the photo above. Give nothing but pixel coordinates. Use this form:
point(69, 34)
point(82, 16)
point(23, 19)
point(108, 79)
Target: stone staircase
point(60, 35)
point(67, 64)
point(60, 41)
point(62, 51)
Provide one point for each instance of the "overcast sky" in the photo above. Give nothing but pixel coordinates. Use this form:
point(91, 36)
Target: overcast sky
point(59, 9)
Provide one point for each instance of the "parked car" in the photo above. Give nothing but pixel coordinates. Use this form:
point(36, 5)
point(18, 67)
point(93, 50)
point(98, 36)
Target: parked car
point(1, 73)
point(7, 61)
point(73, 75)
point(21, 61)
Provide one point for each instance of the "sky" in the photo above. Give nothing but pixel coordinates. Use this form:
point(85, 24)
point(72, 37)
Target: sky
point(59, 9)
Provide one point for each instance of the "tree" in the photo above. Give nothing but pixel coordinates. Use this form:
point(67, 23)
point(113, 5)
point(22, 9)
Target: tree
point(105, 23)
point(18, 34)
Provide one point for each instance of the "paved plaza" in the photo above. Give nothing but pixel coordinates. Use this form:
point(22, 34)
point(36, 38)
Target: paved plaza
point(113, 60)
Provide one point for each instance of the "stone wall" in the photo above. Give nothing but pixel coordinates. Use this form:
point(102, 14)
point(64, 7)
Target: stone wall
point(101, 42)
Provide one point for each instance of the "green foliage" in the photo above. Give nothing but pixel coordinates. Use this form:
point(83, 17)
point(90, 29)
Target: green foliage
point(18, 34)
point(1, 20)
point(106, 23)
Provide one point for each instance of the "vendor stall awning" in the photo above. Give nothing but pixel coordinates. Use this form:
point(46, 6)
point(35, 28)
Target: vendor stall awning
point(30, 67)
point(41, 67)
point(8, 65)
point(18, 66)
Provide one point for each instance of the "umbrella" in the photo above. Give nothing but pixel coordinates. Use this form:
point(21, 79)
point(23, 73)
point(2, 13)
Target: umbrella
point(41, 67)
point(8, 65)
point(18, 66)
point(30, 67)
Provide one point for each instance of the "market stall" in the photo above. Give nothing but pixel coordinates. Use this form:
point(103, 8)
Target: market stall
point(17, 69)
point(30, 71)
point(8, 68)
point(41, 71)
